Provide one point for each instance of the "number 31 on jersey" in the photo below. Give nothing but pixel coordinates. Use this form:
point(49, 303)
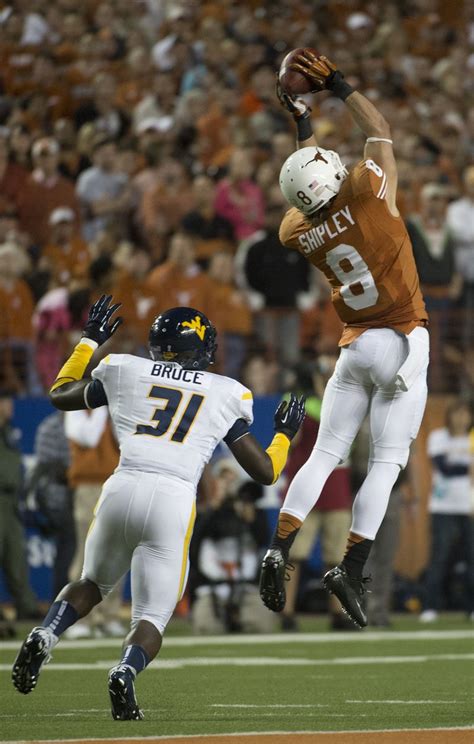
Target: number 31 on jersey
point(170, 399)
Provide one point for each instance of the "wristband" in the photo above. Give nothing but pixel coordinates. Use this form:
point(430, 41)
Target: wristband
point(379, 139)
point(337, 85)
point(304, 128)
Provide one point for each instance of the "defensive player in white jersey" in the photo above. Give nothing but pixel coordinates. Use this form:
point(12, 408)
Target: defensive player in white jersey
point(169, 414)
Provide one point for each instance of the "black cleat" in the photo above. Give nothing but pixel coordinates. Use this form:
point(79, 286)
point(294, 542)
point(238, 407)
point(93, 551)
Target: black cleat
point(122, 694)
point(31, 657)
point(273, 575)
point(349, 591)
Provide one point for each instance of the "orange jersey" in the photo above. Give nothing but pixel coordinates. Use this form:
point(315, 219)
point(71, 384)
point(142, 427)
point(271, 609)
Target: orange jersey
point(365, 253)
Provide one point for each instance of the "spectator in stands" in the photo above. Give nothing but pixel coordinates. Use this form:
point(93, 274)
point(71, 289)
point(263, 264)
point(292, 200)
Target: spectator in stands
point(44, 190)
point(138, 301)
point(12, 176)
point(94, 456)
point(225, 552)
point(103, 112)
point(66, 254)
point(179, 280)
point(276, 279)
point(102, 191)
point(261, 374)
point(461, 224)
point(158, 104)
point(52, 323)
point(16, 312)
point(434, 249)
point(164, 205)
point(138, 77)
point(231, 313)
point(20, 146)
point(381, 564)
point(70, 164)
point(434, 252)
point(238, 197)
point(13, 556)
point(451, 454)
point(331, 518)
point(53, 495)
point(211, 231)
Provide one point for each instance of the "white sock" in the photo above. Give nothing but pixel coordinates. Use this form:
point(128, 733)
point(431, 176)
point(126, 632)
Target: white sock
point(305, 488)
point(371, 502)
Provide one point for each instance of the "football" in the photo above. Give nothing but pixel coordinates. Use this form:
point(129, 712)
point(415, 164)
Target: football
point(292, 82)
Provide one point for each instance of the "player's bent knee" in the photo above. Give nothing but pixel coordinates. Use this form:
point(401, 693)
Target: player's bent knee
point(333, 446)
point(159, 620)
point(103, 590)
point(391, 456)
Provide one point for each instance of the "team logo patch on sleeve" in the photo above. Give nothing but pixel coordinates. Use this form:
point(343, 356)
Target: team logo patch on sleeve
point(195, 325)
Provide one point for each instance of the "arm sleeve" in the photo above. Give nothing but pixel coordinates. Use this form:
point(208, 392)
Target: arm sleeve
point(292, 226)
point(368, 178)
point(245, 404)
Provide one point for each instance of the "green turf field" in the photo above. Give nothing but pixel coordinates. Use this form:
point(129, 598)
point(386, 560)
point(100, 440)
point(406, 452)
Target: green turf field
point(411, 677)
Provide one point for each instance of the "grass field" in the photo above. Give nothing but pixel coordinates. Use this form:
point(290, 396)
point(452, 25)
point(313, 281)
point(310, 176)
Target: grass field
point(410, 677)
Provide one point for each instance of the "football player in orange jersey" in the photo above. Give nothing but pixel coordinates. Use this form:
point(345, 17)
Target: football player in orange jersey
point(348, 225)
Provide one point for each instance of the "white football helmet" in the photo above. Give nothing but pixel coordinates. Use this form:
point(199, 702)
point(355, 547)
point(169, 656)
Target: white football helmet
point(311, 177)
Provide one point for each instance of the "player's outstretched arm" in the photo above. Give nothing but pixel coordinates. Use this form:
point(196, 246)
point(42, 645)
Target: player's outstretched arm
point(324, 74)
point(68, 392)
point(301, 114)
point(265, 466)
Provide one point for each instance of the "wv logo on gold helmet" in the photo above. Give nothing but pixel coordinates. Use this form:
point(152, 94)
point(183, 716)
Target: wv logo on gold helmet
point(184, 336)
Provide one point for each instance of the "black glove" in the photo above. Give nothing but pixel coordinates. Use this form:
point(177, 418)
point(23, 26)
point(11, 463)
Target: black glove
point(323, 74)
point(290, 415)
point(97, 327)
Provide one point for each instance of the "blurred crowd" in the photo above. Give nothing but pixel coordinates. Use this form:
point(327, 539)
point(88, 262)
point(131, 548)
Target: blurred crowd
point(140, 146)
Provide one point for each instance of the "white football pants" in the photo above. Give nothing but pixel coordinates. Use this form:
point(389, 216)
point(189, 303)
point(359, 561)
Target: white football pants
point(143, 521)
point(363, 384)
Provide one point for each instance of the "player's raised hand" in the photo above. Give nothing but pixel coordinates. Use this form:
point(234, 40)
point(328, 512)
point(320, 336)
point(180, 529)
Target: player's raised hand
point(290, 415)
point(296, 106)
point(98, 327)
point(320, 70)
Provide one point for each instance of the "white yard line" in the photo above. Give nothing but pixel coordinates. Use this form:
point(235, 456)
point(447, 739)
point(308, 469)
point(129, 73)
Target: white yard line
point(326, 705)
point(271, 705)
point(285, 638)
point(257, 661)
point(409, 702)
point(241, 733)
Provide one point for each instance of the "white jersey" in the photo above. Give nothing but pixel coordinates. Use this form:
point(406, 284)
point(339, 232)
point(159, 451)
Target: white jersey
point(168, 419)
